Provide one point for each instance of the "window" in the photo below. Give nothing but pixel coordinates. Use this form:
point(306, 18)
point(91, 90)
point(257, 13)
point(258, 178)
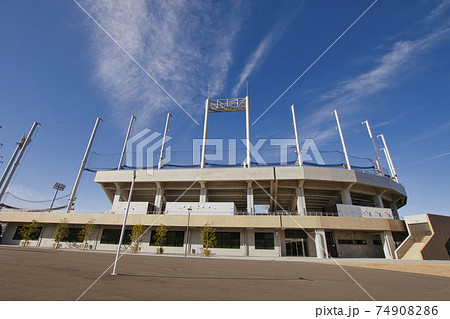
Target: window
point(18, 237)
point(175, 238)
point(352, 242)
point(228, 240)
point(112, 236)
point(377, 242)
point(73, 236)
point(264, 241)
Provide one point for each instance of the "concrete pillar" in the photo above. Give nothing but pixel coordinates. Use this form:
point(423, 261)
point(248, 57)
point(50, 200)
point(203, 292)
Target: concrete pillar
point(394, 209)
point(346, 197)
point(378, 201)
point(321, 244)
point(301, 203)
point(158, 200)
point(203, 193)
point(117, 196)
point(388, 244)
point(250, 199)
point(245, 241)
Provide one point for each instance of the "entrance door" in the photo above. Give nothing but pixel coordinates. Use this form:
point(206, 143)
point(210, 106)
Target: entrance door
point(331, 244)
point(297, 247)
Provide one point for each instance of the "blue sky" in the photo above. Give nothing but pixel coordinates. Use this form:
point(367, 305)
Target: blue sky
point(59, 68)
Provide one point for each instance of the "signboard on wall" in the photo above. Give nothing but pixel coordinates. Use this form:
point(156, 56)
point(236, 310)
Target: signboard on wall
point(363, 211)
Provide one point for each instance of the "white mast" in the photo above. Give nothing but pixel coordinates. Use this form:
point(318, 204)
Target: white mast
point(163, 142)
point(23, 147)
point(205, 133)
point(342, 139)
point(133, 118)
point(83, 164)
point(380, 167)
point(247, 117)
point(389, 159)
point(299, 155)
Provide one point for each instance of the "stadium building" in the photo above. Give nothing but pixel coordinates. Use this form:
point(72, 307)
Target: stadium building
point(272, 211)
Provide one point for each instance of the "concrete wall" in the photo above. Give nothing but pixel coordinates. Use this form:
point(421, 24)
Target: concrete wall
point(360, 251)
point(435, 248)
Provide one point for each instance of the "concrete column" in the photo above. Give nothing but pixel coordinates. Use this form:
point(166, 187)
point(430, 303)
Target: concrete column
point(250, 199)
point(321, 244)
point(346, 197)
point(158, 200)
point(378, 201)
point(301, 203)
point(394, 209)
point(245, 240)
point(117, 196)
point(203, 193)
point(388, 244)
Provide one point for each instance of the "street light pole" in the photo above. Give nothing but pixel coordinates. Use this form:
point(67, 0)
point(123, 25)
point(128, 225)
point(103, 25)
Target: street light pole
point(187, 232)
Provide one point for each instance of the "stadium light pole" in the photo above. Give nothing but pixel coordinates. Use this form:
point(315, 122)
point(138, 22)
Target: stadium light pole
point(130, 126)
point(114, 273)
point(11, 161)
point(342, 139)
point(57, 187)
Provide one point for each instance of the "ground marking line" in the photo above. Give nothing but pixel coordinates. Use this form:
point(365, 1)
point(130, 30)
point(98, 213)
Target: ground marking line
point(134, 60)
point(315, 61)
point(320, 244)
point(120, 256)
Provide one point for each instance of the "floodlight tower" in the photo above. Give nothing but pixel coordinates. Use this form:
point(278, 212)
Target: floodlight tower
point(227, 105)
point(299, 155)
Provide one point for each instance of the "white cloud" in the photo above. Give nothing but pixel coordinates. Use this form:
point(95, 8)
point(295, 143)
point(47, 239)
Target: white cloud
point(263, 49)
point(349, 95)
point(184, 45)
point(444, 5)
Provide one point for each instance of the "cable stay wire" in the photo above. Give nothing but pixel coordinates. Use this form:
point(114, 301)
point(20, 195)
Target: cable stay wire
point(32, 201)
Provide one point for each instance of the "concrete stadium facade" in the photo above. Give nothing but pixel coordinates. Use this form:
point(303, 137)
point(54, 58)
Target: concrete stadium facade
point(304, 214)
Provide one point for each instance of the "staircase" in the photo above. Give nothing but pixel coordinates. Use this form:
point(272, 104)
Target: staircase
point(414, 252)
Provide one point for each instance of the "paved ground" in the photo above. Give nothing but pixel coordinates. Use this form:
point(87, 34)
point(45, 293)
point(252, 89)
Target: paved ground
point(41, 274)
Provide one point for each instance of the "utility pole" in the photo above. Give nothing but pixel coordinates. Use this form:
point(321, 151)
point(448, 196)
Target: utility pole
point(342, 139)
point(133, 118)
point(164, 141)
point(299, 155)
point(23, 144)
point(380, 167)
point(83, 164)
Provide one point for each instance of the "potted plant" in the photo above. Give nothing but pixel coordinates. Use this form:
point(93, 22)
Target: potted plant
point(209, 240)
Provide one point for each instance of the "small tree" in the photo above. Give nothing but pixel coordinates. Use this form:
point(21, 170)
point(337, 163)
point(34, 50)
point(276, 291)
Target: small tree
point(136, 237)
point(209, 240)
point(61, 232)
point(86, 233)
point(30, 231)
point(160, 237)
